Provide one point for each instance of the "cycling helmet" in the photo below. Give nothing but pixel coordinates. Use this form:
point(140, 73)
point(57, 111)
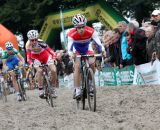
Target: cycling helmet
point(21, 44)
point(9, 45)
point(79, 20)
point(32, 34)
point(1, 50)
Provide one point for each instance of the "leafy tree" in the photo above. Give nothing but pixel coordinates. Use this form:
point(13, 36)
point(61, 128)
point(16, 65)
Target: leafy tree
point(23, 15)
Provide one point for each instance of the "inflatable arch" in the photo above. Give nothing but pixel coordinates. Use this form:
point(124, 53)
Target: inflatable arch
point(99, 11)
point(6, 35)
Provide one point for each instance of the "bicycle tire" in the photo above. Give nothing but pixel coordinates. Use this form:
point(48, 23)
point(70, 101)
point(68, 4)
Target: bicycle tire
point(3, 92)
point(84, 92)
point(91, 80)
point(49, 92)
point(21, 90)
point(30, 80)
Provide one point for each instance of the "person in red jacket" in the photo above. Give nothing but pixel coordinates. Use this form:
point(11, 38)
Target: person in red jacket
point(40, 52)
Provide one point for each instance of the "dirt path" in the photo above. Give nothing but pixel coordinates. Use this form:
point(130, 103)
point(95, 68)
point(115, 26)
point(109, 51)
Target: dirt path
point(118, 108)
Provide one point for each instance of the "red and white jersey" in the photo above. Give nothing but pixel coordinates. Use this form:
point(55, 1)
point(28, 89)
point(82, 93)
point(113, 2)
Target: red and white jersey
point(80, 44)
point(36, 48)
point(39, 51)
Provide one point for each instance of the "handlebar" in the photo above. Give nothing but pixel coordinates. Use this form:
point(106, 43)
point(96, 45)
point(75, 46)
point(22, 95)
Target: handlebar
point(93, 55)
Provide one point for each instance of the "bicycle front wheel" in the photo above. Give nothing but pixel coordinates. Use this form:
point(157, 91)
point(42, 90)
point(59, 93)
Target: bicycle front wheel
point(91, 90)
point(22, 90)
point(48, 92)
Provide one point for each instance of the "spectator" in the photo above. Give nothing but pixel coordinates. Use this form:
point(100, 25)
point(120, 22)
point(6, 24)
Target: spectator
point(138, 46)
point(150, 44)
point(109, 58)
point(126, 58)
point(117, 46)
point(155, 16)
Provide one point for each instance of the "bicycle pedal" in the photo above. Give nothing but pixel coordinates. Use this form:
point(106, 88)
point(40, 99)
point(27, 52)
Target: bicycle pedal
point(78, 98)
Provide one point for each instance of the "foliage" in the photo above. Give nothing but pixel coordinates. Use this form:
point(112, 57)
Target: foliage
point(22, 15)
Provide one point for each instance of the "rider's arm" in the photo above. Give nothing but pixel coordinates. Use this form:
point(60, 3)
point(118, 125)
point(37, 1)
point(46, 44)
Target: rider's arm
point(70, 46)
point(21, 57)
point(28, 51)
point(16, 52)
point(51, 52)
point(44, 45)
point(98, 42)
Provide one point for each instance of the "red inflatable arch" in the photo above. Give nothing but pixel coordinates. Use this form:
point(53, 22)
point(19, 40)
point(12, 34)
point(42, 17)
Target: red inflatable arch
point(6, 35)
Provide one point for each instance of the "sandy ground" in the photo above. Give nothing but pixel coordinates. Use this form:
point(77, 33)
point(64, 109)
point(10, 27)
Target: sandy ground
point(118, 108)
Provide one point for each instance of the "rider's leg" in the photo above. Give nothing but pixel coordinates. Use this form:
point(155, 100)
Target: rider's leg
point(54, 74)
point(53, 70)
point(39, 77)
point(92, 64)
point(77, 77)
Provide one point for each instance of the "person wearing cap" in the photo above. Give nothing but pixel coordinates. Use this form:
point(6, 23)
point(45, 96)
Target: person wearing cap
point(155, 17)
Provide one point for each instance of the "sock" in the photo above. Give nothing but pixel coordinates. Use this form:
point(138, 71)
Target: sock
point(78, 90)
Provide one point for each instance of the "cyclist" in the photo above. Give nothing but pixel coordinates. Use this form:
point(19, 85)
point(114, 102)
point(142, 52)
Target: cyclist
point(12, 58)
point(78, 43)
point(38, 50)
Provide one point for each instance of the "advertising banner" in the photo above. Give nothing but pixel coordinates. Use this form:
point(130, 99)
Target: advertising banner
point(147, 73)
point(116, 77)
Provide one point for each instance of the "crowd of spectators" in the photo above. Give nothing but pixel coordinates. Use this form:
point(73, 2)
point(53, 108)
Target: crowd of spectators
point(129, 44)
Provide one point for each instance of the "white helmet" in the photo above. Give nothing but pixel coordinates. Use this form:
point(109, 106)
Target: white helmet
point(21, 44)
point(1, 50)
point(79, 20)
point(9, 45)
point(32, 34)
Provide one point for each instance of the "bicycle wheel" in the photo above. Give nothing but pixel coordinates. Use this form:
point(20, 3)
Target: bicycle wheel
point(22, 90)
point(3, 92)
point(91, 90)
point(84, 92)
point(30, 80)
point(48, 92)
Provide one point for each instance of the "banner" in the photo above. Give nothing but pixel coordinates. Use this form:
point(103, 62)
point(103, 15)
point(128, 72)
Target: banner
point(147, 73)
point(116, 77)
point(144, 74)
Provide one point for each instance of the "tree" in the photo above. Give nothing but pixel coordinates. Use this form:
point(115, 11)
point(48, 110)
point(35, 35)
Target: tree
point(23, 15)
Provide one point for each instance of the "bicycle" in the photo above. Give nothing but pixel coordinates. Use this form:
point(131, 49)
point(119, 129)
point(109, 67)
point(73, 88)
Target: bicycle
point(19, 77)
point(88, 88)
point(48, 88)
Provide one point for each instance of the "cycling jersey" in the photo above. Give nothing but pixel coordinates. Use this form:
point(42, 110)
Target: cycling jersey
point(80, 44)
point(11, 58)
point(39, 51)
point(9, 55)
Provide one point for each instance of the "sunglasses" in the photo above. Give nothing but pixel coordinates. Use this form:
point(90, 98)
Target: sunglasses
point(82, 27)
point(154, 15)
point(32, 40)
